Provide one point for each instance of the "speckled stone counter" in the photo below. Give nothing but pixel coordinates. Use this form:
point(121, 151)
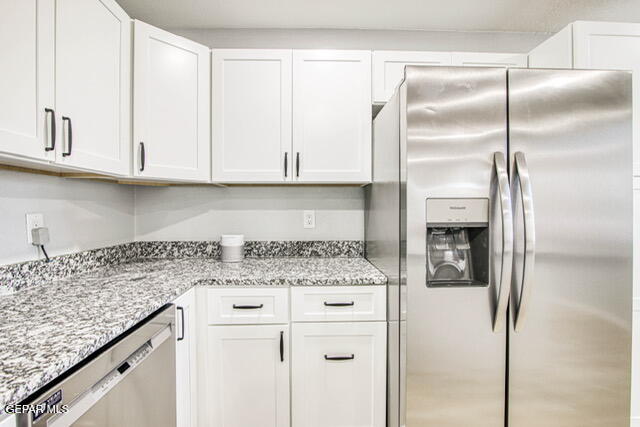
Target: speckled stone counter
point(47, 328)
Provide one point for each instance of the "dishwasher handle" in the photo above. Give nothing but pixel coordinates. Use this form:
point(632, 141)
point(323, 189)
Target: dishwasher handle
point(90, 397)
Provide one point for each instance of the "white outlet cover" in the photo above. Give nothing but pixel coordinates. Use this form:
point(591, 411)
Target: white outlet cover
point(34, 220)
point(309, 219)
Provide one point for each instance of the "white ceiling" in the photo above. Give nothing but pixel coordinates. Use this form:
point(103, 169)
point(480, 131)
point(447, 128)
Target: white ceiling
point(463, 15)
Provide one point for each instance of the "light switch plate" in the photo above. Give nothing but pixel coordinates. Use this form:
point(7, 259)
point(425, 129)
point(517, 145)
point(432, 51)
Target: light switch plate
point(309, 219)
point(34, 220)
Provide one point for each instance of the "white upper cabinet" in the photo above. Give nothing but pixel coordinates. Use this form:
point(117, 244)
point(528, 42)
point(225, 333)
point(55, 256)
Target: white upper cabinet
point(600, 46)
point(331, 116)
point(251, 115)
point(555, 52)
point(388, 68)
point(488, 59)
point(26, 78)
point(612, 46)
point(170, 106)
point(92, 85)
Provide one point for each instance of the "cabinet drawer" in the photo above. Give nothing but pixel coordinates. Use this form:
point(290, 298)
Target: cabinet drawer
point(338, 303)
point(247, 306)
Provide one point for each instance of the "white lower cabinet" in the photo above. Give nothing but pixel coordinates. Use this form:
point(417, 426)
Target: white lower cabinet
point(248, 376)
point(186, 377)
point(338, 374)
point(331, 371)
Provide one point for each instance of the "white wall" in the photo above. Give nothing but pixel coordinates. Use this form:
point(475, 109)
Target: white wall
point(470, 41)
point(85, 215)
point(80, 215)
point(260, 213)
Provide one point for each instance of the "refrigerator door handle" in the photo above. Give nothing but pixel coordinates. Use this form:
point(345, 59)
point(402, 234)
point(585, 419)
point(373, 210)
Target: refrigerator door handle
point(521, 173)
point(506, 262)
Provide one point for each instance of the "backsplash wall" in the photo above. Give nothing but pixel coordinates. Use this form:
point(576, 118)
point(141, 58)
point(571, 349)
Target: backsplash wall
point(260, 213)
point(80, 214)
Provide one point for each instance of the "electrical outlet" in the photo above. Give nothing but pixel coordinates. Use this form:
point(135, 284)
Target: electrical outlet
point(34, 220)
point(309, 219)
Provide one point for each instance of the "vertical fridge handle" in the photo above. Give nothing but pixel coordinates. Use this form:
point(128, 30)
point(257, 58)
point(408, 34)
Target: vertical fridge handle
point(521, 173)
point(506, 262)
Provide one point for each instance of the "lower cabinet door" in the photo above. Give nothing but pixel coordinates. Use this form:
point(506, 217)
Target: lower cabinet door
point(248, 376)
point(338, 374)
point(186, 390)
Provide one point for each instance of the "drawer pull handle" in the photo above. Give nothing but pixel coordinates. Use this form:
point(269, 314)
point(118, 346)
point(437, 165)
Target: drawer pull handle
point(247, 307)
point(339, 304)
point(327, 357)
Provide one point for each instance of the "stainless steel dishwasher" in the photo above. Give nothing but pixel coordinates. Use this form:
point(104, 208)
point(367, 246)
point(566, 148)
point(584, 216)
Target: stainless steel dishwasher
point(129, 382)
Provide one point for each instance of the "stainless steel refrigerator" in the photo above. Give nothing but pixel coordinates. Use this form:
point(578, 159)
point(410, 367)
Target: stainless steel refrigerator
point(501, 212)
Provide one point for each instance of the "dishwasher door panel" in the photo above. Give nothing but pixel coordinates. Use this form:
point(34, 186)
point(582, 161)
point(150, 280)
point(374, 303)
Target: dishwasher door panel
point(145, 398)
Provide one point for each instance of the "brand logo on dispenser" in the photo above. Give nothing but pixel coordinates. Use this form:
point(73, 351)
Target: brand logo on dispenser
point(458, 208)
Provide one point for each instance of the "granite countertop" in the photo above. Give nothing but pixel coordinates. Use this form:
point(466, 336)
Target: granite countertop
point(48, 328)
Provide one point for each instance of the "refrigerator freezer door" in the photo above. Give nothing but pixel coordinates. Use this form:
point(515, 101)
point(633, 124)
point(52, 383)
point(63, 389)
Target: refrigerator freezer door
point(569, 357)
point(456, 120)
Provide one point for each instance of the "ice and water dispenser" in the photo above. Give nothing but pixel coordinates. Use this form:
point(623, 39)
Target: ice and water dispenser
point(457, 242)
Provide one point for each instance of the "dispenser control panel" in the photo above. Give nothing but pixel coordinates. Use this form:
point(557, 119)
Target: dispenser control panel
point(462, 211)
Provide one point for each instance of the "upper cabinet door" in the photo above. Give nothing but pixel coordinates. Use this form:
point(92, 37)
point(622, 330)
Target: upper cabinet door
point(331, 116)
point(251, 115)
point(486, 59)
point(93, 62)
point(388, 68)
point(170, 106)
point(26, 78)
point(612, 46)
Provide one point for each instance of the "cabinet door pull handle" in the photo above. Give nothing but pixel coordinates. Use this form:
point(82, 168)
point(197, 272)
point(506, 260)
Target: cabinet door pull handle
point(282, 346)
point(69, 136)
point(339, 304)
point(247, 307)
point(181, 337)
point(53, 129)
point(327, 357)
point(142, 156)
point(286, 163)
point(298, 164)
